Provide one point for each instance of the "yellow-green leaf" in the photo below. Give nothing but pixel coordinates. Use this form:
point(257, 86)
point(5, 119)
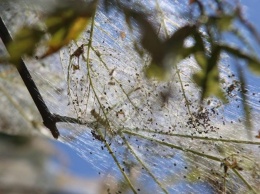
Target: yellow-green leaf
point(156, 71)
point(24, 42)
point(224, 23)
point(198, 78)
point(56, 20)
point(253, 62)
point(64, 26)
point(211, 87)
point(201, 59)
point(77, 27)
point(254, 66)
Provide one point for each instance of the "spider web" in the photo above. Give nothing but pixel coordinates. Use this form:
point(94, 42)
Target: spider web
point(157, 138)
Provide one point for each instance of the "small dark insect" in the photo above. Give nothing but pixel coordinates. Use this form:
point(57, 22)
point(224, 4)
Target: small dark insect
point(120, 112)
point(258, 136)
point(137, 88)
point(79, 51)
point(112, 71)
point(233, 164)
point(150, 120)
point(75, 67)
point(111, 83)
point(165, 96)
point(122, 35)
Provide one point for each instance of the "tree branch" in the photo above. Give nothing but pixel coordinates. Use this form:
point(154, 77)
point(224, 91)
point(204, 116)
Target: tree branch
point(49, 119)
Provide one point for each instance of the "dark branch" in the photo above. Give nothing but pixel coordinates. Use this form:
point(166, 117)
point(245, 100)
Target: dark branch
point(49, 119)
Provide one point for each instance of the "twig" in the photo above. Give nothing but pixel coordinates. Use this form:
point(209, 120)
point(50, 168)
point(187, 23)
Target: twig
point(49, 119)
point(242, 178)
point(143, 164)
point(117, 162)
point(203, 138)
point(89, 75)
point(173, 146)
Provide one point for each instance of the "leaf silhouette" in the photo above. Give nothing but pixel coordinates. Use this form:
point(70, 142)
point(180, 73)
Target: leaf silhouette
point(65, 25)
point(24, 43)
point(208, 77)
point(222, 22)
point(172, 49)
point(253, 62)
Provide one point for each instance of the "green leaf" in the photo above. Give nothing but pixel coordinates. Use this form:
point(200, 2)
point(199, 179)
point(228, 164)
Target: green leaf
point(65, 25)
point(208, 77)
point(175, 44)
point(201, 59)
point(213, 86)
point(156, 71)
point(198, 77)
point(24, 43)
point(253, 62)
point(178, 37)
point(199, 43)
point(224, 23)
point(165, 54)
point(149, 36)
point(254, 66)
point(62, 25)
point(186, 52)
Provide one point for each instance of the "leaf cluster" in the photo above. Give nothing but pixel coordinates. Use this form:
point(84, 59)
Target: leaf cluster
point(205, 32)
point(60, 26)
